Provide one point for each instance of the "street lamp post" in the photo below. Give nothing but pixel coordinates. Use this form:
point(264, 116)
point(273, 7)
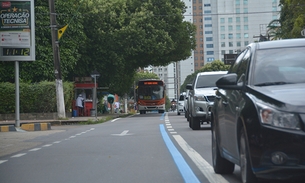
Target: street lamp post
point(94, 75)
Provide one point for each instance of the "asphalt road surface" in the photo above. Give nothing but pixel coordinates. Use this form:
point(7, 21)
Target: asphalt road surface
point(143, 148)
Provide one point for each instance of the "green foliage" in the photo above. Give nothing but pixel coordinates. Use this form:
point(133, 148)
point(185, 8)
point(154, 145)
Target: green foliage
point(34, 98)
point(291, 21)
point(216, 65)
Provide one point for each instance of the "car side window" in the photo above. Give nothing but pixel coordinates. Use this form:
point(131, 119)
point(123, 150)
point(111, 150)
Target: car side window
point(237, 62)
point(243, 67)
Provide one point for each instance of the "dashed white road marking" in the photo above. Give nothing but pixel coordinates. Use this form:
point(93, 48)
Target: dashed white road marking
point(3, 161)
point(173, 132)
point(56, 142)
point(72, 136)
point(18, 155)
point(169, 127)
point(35, 149)
point(47, 145)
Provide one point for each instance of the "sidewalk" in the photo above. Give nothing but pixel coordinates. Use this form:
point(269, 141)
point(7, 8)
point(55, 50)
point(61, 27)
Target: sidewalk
point(9, 125)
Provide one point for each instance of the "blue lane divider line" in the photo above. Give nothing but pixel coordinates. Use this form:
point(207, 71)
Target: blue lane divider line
point(186, 172)
point(162, 116)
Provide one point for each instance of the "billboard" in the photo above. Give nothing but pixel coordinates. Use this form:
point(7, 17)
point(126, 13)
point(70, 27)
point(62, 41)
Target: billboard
point(17, 30)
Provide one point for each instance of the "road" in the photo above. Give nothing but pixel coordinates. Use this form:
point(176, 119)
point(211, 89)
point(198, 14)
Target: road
point(143, 148)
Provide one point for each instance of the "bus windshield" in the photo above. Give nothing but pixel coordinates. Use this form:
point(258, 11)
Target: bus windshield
point(151, 92)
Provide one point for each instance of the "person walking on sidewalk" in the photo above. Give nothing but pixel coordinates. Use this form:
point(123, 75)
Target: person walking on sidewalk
point(80, 104)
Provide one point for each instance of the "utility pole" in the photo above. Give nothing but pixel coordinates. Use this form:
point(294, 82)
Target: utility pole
point(57, 71)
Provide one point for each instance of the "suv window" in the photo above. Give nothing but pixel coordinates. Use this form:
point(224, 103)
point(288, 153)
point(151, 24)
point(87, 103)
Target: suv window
point(205, 81)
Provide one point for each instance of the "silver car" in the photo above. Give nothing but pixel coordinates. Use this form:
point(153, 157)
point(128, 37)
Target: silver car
point(201, 97)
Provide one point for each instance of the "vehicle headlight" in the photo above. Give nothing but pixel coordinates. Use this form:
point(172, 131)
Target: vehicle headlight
point(199, 98)
point(273, 117)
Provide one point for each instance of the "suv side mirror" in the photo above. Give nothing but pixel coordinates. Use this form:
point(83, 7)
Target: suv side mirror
point(189, 86)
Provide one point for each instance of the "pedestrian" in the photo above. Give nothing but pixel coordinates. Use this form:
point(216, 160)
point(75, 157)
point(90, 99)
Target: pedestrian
point(116, 107)
point(80, 104)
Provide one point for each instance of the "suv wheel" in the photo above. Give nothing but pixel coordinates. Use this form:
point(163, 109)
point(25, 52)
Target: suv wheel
point(220, 165)
point(195, 123)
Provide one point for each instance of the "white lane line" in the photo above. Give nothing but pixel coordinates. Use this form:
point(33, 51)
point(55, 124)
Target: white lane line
point(3, 161)
point(114, 120)
point(35, 149)
point(168, 124)
point(47, 145)
point(201, 163)
point(173, 132)
point(56, 142)
point(72, 137)
point(18, 155)
point(169, 127)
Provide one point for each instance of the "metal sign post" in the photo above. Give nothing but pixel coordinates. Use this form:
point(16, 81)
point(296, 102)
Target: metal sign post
point(17, 43)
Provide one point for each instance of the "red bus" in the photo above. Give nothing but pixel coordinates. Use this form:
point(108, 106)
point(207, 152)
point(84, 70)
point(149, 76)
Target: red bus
point(150, 95)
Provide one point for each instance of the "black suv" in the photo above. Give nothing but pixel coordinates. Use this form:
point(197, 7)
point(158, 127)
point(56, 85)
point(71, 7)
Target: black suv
point(258, 117)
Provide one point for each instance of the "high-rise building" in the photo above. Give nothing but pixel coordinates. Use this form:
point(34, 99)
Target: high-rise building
point(223, 27)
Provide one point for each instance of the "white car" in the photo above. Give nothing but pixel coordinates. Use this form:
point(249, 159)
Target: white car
point(181, 104)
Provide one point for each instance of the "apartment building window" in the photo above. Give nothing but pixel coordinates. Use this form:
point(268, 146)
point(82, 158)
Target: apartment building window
point(246, 43)
point(245, 2)
point(237, 10)
point(274, 8)
point(196, 58)
point(207, 5)
point(237, 2)
point(208, 25)
point(196, 64)
point(194, 7)
point(201, 63)
point(201, 45)
point(201, 20)
point(200, 1)
point(201, 39)
point(246, 27)
point(207, 18)
point(230, 51)
point(210, 59)
point(208, 32)
point(230, 36)
point(223, 52)
point(237, 19)
point(194, 13)
point(194, 20)
point(200, 7)
point(222, 36)
point(246, 35)
point(230, 44)
point(201, 26)
point(210, 52)
point(195, 52)
point(230, 20)
point(238, 43)
point(201, 58)
point(209, 38)
point(238, 27)
point(238, 36)
point(201, 51)
point(245, 10)
point(209, 45)
point(207, 12)
point(222, 20)
point(245, 19)
point(222, 28)
point(223, 44)
point(201, 33)
point(194, 1)
point(230, 28)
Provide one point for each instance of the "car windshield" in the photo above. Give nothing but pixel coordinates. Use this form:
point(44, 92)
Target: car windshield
point(205, 81)
point(279, 66)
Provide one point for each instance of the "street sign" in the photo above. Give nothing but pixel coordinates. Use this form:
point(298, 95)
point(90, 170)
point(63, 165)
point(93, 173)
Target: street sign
point(17, 30)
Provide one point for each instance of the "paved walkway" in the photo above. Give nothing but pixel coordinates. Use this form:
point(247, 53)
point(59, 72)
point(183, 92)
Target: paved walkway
point(8, 124)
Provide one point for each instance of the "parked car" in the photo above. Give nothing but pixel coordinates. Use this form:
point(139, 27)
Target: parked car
point(258, 117)
point(201, 97)
point(181, 103)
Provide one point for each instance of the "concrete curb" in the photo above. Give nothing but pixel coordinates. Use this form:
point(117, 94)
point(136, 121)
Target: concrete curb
point(7, 128)
point(36, 126)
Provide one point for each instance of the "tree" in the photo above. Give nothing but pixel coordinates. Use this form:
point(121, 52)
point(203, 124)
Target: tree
point(216, 65)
